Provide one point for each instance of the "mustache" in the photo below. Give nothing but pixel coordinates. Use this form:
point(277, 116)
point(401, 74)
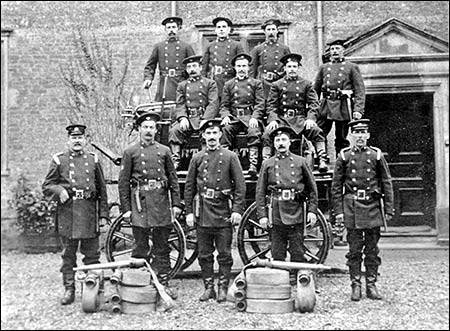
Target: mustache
point(171, 33)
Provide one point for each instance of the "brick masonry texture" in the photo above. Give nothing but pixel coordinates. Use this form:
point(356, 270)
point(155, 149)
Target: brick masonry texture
point(41, 42)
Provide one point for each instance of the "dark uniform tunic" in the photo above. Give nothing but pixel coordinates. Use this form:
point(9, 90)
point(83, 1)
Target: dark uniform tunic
point(147, 170)
point(332, 78)
point(217, 61)
point(357, 175)
point(292, 101)
point(289, 176)
point(217, 177)
point(242, 100)
point(147, 165)
point(169, 56)
point(81, 175)
point(266, 64)
point(196, 100)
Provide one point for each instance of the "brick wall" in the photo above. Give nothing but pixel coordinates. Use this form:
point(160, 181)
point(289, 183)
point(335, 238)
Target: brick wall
point(41, 42)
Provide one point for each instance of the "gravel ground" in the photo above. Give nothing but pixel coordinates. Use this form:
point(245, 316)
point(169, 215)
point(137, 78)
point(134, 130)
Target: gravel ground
point(414, 284)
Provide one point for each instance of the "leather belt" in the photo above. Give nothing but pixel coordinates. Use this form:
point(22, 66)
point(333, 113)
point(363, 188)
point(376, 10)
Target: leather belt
point(151, 185)
point(219, 70)
point(172, 73)
point(244, 111)
point(290, 113)
point(211, 194)
point(270, 76)
point(334, 95)
point(83, 195)
point(196, 112)
point(287, 194)
point(361, 195)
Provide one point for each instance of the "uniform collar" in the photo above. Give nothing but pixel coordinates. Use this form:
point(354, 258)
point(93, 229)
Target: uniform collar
point(338, 60)
point(241, 79)
point(222, 39)
point(145, 144)
point(362, 149)
point(292, 78)
point(283, 155)
point(172, 38)
point(76, 153)
point(194, 78)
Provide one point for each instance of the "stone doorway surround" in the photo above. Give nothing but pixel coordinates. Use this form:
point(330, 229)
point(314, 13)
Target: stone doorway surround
point(396, 57)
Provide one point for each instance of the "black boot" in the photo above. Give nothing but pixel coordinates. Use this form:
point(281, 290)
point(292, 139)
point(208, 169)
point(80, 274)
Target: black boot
point(209, 293)
point(253, 158)
point(69, 294)
point(164, 280)
point(355, 277)
point(224, 281)
point(176, 155)
point(322, 154)
point(371, 278)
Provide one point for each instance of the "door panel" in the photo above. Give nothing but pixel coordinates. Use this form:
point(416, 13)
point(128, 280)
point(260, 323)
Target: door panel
point(401, 126)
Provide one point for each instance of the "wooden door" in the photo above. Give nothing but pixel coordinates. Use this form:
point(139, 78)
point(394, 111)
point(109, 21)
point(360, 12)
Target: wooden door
point(402, 127)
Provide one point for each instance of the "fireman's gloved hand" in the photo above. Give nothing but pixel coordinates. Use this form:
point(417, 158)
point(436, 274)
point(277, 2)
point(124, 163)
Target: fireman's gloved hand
point(103, 221)
point(236, 218)
point(127, 214)
point(312, 219)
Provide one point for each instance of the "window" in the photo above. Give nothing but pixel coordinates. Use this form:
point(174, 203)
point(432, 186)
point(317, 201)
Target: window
point(250, 35)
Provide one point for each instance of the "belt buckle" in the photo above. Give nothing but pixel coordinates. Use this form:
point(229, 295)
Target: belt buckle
point(218, 70)
point(240, 112)
point(286, 194)
point(172, 73)
point(290, 113)
point(209, 193)
point(361, 195)
point(270, 76)
point(193, 112)
point(79, 194)
point(152, 184)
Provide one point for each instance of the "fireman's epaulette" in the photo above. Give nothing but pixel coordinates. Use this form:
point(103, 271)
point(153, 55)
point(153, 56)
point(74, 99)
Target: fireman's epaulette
point(342, 152)
point(378, 152)
point(95, 157)
point(56, 158)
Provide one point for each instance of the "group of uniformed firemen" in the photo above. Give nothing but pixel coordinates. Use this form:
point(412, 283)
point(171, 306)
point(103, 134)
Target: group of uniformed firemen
point(227, 91)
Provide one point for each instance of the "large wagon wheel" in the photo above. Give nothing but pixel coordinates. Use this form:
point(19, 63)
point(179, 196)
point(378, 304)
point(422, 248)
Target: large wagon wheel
point(254, 241)
point(120, 242)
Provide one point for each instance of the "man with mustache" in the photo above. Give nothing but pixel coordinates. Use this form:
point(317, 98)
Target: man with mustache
point(215, 200)
point(266, 64)
point(340, 84)
point(242, 109)
point(168, 56)
point(293, 102)
point(150, 194)
point(75, 180)
point(197, 99)
point(361, 177)
point(285, 182)
point(217, 57)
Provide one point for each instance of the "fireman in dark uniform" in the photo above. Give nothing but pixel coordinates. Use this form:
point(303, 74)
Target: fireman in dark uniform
point(196, 100)
point(285, 182)
point(242, 109)
point(266, 64)
point(75, 180)
point(219, 53)
point(340, 84)
point(293, 101)
point(361, 177)
point(169, 56)
point(215, 200)
point(149, 194)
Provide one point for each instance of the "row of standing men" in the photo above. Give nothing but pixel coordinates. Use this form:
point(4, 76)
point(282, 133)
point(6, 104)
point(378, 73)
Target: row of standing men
point(254, 93)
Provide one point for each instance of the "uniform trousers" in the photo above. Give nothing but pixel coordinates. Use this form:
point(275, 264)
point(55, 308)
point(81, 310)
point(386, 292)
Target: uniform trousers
point(341, 132)
point(160, 249)
point(230, 131)
point(89, 247)
point(363, 241)
point(288, 238)
point(209, 239)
